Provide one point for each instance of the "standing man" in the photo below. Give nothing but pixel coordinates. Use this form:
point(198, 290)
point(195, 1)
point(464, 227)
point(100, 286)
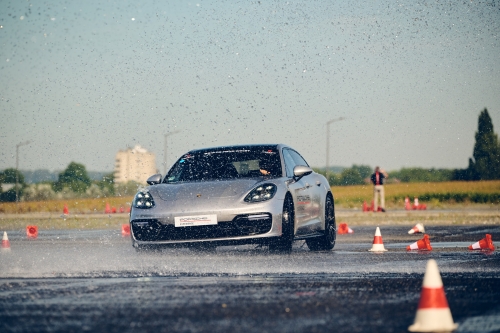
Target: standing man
point(378, 178)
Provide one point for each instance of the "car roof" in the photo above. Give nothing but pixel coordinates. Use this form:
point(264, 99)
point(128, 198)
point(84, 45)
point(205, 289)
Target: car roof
point(238, 147)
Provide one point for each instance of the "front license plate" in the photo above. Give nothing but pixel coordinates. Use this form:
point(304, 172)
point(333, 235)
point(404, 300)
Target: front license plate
point(193, 221)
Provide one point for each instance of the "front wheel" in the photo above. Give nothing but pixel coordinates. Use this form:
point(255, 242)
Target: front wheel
point(284, 243)
point(326, 242)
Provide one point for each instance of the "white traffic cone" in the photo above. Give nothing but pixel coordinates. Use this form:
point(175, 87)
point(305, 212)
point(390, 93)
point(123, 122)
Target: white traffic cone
point(433, 313)
point(419, 227)
point(422, 245)
point(5, 242)
point(484, 244)
point(378, 244)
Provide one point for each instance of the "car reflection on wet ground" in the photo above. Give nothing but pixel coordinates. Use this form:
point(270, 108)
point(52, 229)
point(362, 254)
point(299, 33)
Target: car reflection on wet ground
point(95, 281)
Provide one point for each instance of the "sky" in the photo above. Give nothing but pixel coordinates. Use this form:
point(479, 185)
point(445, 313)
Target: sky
point(82, 80)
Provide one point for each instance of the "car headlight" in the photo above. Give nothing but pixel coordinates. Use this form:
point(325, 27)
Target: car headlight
point(143, 200)
point(261, 193)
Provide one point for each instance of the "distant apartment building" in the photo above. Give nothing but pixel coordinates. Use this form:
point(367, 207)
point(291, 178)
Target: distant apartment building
point(135, 164)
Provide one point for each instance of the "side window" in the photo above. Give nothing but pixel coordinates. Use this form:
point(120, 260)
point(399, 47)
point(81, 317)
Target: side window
point(299, 160)
point(289, 162)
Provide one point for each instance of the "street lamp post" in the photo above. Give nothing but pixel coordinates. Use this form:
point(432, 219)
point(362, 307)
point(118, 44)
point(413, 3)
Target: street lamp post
point(17, 169)
point(328, 145)
point(165, 152)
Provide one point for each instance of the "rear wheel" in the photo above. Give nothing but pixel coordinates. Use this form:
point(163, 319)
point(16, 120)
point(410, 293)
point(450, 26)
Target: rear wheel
point(326, 242)
point(284, 243)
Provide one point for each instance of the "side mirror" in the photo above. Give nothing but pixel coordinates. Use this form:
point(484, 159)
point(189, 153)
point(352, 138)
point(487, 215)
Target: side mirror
point(300, 171)
point(154, 179)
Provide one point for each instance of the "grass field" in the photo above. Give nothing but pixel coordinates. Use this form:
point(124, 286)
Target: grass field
point(434, 195)
point(75, 206)
point(47, 221)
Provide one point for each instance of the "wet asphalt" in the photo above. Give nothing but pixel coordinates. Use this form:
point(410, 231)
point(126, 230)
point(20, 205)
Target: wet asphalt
point(94, 281)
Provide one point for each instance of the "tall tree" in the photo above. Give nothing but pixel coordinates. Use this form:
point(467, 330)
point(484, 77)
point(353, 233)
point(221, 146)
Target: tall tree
point(108, 183)
point(8, 176)
point(486, 156)
point(74, 177)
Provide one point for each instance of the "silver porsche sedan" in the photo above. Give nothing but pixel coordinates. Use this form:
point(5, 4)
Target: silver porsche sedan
point(260, 194)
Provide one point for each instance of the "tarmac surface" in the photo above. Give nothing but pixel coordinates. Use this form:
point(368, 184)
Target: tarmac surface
point(94, 281)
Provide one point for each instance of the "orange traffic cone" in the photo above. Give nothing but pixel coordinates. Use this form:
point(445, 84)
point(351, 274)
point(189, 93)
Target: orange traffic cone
point(107, 210)
point(423, 244)
point(125, 230)
point(32, 231)
point(372, 207)
point(65, 210)
point(433, 313)
point(407, 203)
point(365, 206)
point(342, 229)
point(378, 244)
point(484, 244)
point(418, 228)
point(5, 242)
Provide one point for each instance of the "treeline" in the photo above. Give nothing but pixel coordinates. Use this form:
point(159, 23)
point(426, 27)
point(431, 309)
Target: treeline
point(415, 175)
point(355, 175)
point(360, 174)
point(73, 182)
point(44, 175)
point(484, 164)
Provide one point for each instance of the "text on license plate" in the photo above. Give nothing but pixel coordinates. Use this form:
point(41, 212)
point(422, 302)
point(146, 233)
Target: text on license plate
point(189, 221)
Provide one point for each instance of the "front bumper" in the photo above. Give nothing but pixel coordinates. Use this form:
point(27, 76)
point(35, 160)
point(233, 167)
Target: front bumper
point(255, 227)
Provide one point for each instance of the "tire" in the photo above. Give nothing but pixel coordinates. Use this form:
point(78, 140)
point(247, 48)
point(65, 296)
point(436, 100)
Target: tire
point(284, 243)
point(325, 242)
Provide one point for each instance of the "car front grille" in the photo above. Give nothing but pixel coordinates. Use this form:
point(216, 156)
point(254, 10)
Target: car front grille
point(241, 225)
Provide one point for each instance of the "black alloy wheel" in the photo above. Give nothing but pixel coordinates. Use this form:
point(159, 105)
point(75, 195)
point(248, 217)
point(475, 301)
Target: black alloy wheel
point(325, 242)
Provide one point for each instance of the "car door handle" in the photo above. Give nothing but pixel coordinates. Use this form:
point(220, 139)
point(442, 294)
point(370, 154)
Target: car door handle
point(318, 183)
point(307, 185)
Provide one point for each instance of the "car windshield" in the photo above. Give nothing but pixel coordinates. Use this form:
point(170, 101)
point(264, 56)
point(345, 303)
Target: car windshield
point(225, 164)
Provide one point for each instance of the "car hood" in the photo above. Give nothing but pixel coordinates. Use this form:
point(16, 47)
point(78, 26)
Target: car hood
point(203, 190)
